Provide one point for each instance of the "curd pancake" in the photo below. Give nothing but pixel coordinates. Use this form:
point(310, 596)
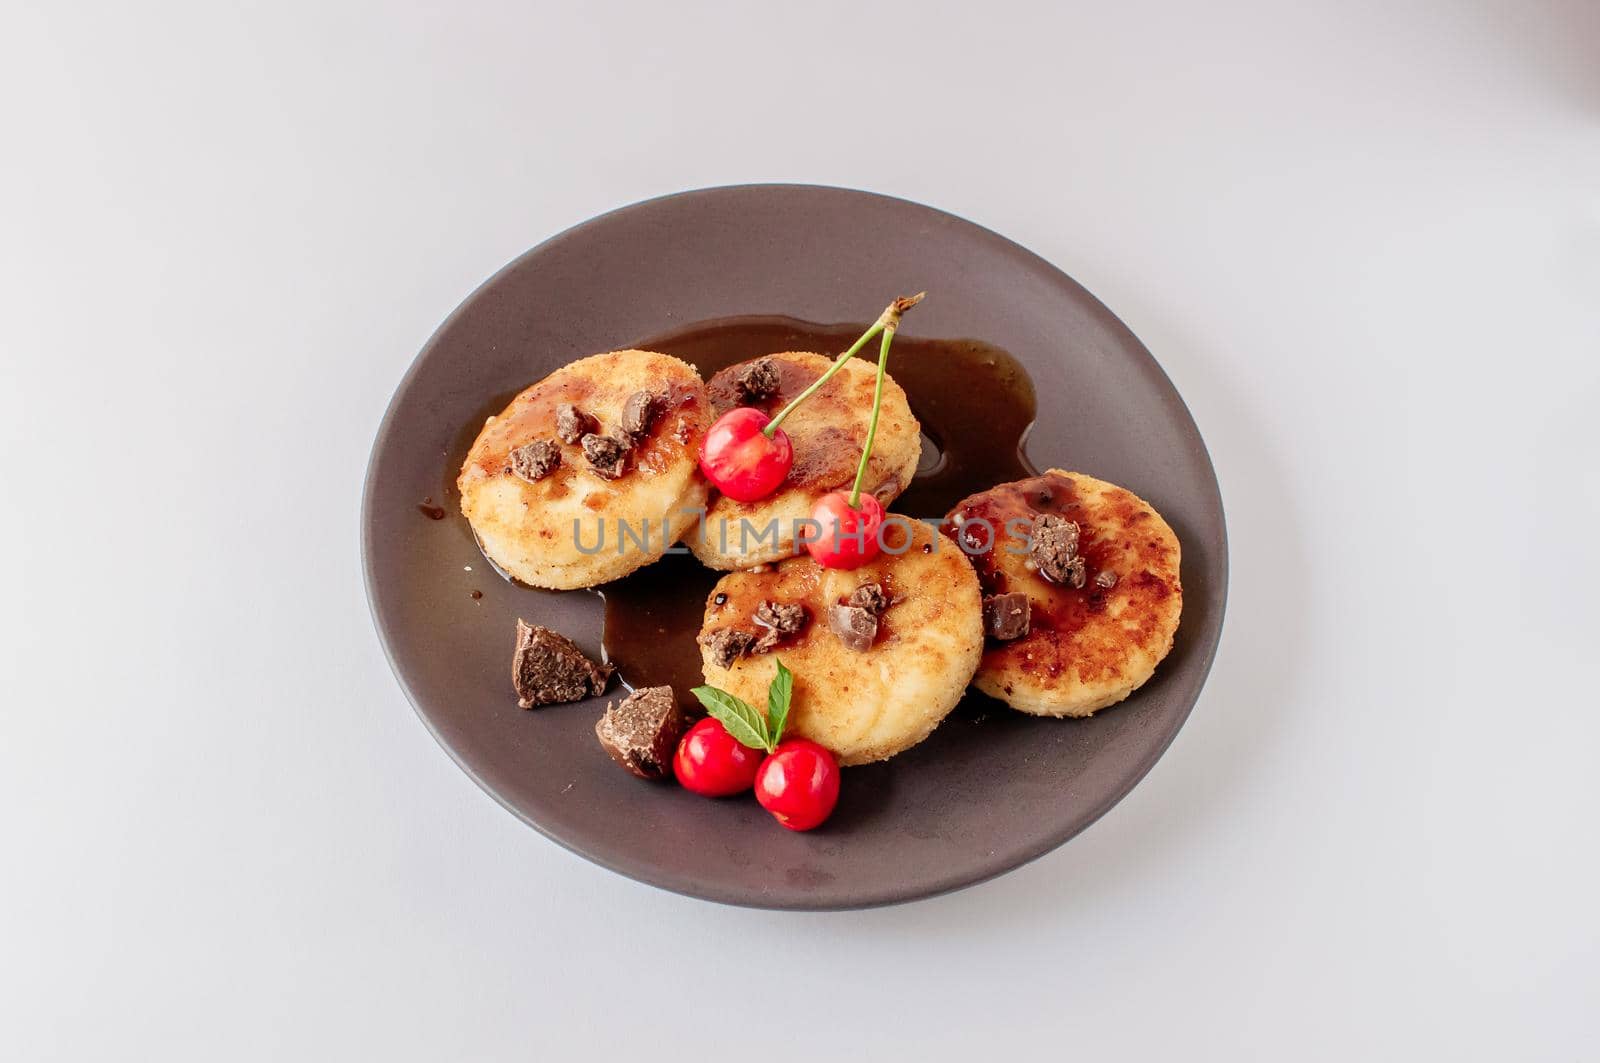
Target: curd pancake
point(1101, 586)
point(880, 654)
point(827, 432)
point(592, 472)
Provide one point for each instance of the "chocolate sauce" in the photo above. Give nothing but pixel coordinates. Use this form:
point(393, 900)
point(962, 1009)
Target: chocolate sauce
point(974, 401)
point(652, 621)
point(1055, 607)
point(429, 510)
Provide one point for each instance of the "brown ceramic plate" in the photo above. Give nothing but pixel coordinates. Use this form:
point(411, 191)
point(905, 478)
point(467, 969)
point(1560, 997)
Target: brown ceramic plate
point(989, 790)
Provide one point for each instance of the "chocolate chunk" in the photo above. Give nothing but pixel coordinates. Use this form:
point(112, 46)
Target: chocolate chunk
point(639, 413)
point(856, 626)
point(607, 455)
point(1106, 580)
point(534, 461)
point(548, 668)
point(1006, 616)
point(871, 597)
point(757, 380)
point(1077, 573)
point(781, 622)
point(641, 731)
point(1052, 548)
point(784, 619)
point(727, 645)
point(572, 424)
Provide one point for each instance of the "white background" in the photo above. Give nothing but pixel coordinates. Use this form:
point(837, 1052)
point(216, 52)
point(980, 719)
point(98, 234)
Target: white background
point(1364, 240)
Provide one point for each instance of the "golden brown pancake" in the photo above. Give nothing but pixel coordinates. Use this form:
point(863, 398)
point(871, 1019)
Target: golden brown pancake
point(863, 705)
point(573, 527)
point(1089, 647)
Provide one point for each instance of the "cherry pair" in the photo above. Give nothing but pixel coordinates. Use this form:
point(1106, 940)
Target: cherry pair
point(798, 782)
point(746, 456)
point(739, 746)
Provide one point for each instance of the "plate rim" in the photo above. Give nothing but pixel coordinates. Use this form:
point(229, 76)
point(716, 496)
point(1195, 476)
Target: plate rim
point(648, 875)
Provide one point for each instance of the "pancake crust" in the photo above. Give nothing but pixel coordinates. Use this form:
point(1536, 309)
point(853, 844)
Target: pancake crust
point(1087, 648)
point(827, 432)
point(862, 705)
point(534, 530)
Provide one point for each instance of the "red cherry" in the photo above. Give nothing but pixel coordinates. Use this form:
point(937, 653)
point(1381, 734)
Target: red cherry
point(740, 459)
point(848, 537)
point(713, 763)
point(798, 784)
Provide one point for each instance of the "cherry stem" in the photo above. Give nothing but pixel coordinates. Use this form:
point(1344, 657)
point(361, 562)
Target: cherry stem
point(872, 426)
point(889, 319)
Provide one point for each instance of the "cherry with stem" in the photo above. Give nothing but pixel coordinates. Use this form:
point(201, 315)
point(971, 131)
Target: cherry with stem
point(746, 455)
point(851, 523)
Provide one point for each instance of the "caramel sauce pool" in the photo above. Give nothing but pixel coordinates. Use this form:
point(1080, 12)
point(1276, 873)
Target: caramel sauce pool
point(975, 403)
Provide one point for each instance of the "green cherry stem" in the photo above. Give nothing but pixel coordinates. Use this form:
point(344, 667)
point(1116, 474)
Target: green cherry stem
point(889, 319)
point(890, 323)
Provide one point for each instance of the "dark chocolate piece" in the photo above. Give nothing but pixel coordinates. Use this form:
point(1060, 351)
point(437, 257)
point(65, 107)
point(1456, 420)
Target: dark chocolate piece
point(639, 413)
point(1007, 616)
point(856, 626)
point(1053, 546)
point(534, 461)
point(727, 645)
point(641, 731)
point(607, 455)
point(572, 424)
point(1106, 580)
point(548, 668)
point(784, 619)
point(871, 597)
point(756, 381)
point(781, 622)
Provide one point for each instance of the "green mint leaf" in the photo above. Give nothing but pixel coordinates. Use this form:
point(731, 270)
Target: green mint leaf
point(778, 693)
point(742, 719)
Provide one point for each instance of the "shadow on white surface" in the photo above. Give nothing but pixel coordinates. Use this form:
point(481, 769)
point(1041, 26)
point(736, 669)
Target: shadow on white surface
point(1556, 44)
